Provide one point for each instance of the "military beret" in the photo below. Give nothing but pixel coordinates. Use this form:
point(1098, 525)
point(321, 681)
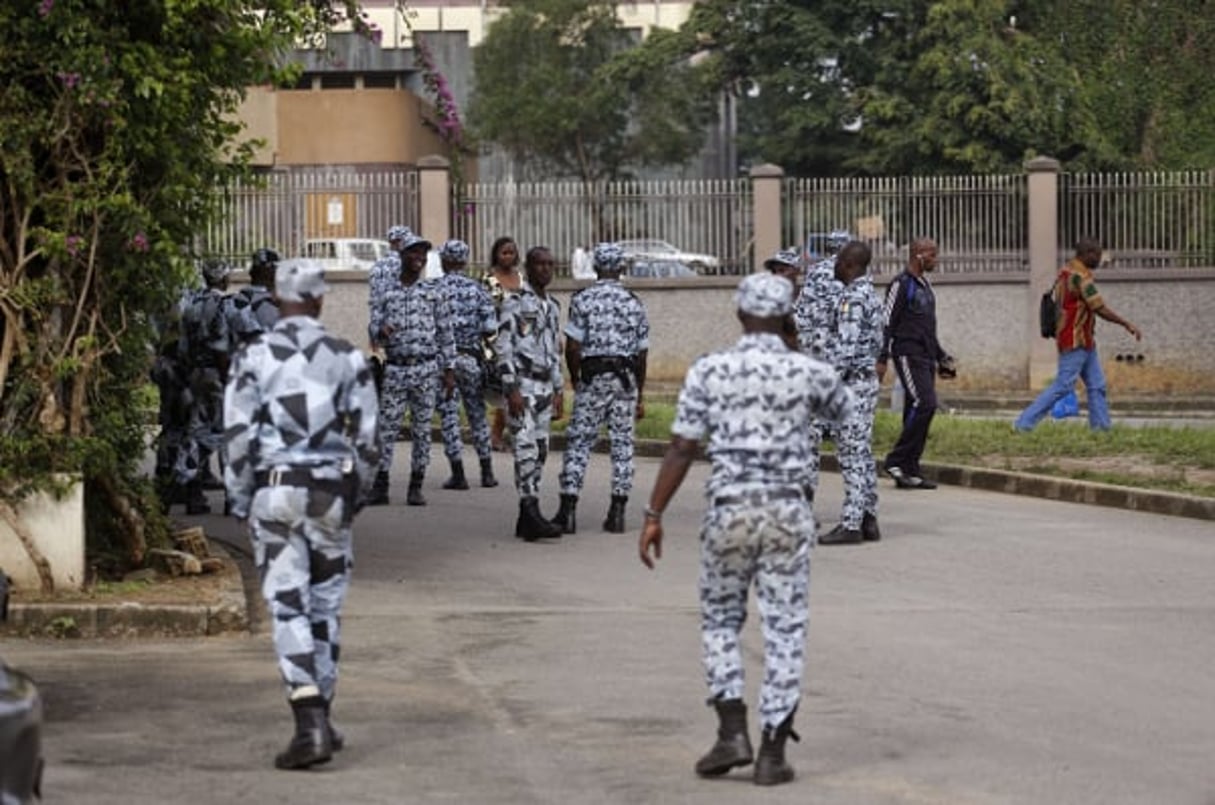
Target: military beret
point(299, 280)
point(411, 241)
point(397, 232)
point(784, 257)
point(764, 295)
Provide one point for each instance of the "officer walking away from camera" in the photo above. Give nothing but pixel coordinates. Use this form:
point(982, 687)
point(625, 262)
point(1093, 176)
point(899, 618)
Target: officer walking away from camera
point(258, 295)
point(384, 274)
point(529, 360)
point(300, 416)
point(473, 320)
point(753, 403)
point(910, 340)
point(412, 323)
point(858, 340)
point(607, 341)
point(205, 349)
point(173, 415)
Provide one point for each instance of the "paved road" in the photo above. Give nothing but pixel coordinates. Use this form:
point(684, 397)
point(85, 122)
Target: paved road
point(990, 650)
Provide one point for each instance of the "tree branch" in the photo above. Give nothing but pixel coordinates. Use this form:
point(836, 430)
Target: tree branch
point(14, 521)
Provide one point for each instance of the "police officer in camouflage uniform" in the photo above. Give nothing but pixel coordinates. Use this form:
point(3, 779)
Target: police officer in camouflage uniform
point(300, 416)
point(857, 342)
point(474, 319)
point(786, 263)
point(205, 348)
point(753, 403)
point(529, 360)
point(411, 322)
point(607, 342)
point(385, 273)
point(258, 295)
point(813, 316)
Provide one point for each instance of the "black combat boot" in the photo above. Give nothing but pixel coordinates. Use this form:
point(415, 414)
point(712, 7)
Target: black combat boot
point(414, 496)
point(733, 747)
point(457, 479)
point(841, 536)
point(209, 480)
point(487, 473)
point(336, 739)
point(531, 526)
point(378, 496)
point(770, 765)
point(614, 523)
point(311, 744)
point(869, 528)
point(195, 500)
point(565, 517)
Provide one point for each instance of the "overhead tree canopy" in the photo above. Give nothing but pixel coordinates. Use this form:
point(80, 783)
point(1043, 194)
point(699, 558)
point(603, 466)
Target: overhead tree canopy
point(115, 131)
point(835, 87)
point(559, 86)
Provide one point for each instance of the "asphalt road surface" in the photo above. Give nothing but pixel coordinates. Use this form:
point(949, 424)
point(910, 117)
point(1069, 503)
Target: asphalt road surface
point(991, 649)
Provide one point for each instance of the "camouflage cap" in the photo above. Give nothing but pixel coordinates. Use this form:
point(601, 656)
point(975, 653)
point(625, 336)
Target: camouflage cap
point(215, 271)
point(609, 257)
point(411, 241)
point(764, 295)
point(454, 251)
point(397, 232)
point(265, 257)
point(299, 280)
point(784, 257)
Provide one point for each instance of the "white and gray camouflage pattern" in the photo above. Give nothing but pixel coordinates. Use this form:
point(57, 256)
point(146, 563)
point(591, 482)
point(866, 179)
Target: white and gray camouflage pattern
point(764, 295)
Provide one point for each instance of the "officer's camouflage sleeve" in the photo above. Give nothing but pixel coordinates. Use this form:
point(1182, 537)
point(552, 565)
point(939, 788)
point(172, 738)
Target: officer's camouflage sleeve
point(873, 323)
point(377, 315)
point(505, 342)
point(362, 407)
point(445, 337)
point(242, 405)
point(554, 311)
point(692, 408)
point(643, 329)
point(487, 314)
point(835, 402)
point(576, 326)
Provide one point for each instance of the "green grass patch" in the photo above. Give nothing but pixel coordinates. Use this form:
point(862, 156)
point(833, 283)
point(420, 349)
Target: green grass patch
point(1166, 458)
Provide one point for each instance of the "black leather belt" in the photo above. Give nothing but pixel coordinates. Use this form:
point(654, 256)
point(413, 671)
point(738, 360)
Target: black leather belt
point(411, 360)
point(759, 497)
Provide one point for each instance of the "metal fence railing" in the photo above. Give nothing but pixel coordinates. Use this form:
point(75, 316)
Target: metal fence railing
point(980, 223)
point(1144, 220)
point(284, 210)
point(710, 217)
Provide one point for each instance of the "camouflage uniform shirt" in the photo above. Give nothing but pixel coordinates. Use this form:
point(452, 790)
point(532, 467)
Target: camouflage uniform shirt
point(815, 309)
point(421, 324)
point(607, 319)
point(527, 342)
point(472, 311)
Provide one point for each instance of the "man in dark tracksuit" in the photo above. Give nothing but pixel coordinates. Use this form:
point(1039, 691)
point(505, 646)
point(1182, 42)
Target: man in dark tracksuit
point(910, 325)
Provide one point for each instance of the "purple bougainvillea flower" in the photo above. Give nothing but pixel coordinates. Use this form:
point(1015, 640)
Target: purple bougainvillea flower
point(44, 8)
point(140, 242)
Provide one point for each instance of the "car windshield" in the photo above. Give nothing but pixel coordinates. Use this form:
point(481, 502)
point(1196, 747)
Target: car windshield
point(647, 246)
point(364, 251)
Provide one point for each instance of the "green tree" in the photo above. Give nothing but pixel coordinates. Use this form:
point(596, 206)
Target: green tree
point(116, 126)
point(561, 88)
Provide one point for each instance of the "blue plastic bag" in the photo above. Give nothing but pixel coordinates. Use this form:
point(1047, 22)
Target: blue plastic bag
point(1067, 406)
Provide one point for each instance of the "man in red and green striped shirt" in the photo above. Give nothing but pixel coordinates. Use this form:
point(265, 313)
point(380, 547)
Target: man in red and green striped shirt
point(1080, 304)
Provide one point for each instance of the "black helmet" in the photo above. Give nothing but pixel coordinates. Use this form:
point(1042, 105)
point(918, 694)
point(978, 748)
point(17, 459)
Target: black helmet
point(265, 258)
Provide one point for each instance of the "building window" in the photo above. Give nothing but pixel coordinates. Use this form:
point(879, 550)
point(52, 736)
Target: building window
point(339, 81)
point(379, 81)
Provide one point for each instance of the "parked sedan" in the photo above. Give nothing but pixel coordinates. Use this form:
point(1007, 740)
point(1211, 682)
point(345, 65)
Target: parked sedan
point(661, 250)
point(20, 729)
point(661, 269)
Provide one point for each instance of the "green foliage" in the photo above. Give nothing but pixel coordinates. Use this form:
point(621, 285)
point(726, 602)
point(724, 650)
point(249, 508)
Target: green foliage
point(836, 87)
point(561, 88)
point(116, 123)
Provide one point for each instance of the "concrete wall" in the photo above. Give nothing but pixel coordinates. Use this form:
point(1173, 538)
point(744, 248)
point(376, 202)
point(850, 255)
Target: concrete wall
point(981, 321)
point(57, 528)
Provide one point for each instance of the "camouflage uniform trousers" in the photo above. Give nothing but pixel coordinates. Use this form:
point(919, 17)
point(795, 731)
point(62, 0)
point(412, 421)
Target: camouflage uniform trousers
point(604, 397)
point(468, 384)
point(854, 446)
point(530, 433)
point(414, 388)
point(303, 551)
point(205, 428)
point(769, 543)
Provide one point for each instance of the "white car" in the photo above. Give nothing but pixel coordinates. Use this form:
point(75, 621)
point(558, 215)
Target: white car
point(661, 250)
point(357, 254)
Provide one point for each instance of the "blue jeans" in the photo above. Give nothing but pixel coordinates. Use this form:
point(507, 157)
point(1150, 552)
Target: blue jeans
point(1075, 363)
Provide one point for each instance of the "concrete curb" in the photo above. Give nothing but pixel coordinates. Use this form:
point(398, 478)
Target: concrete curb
point(229, 612)
point(1016, 483)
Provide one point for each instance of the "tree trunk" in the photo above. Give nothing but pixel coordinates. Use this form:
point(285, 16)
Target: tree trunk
point(136, 529)
point(46, 580)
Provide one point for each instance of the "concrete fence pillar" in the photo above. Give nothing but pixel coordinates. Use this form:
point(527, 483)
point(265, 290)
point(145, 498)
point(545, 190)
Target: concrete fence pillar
point(434, 199)
point(766, 184)
point(1043, 201)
